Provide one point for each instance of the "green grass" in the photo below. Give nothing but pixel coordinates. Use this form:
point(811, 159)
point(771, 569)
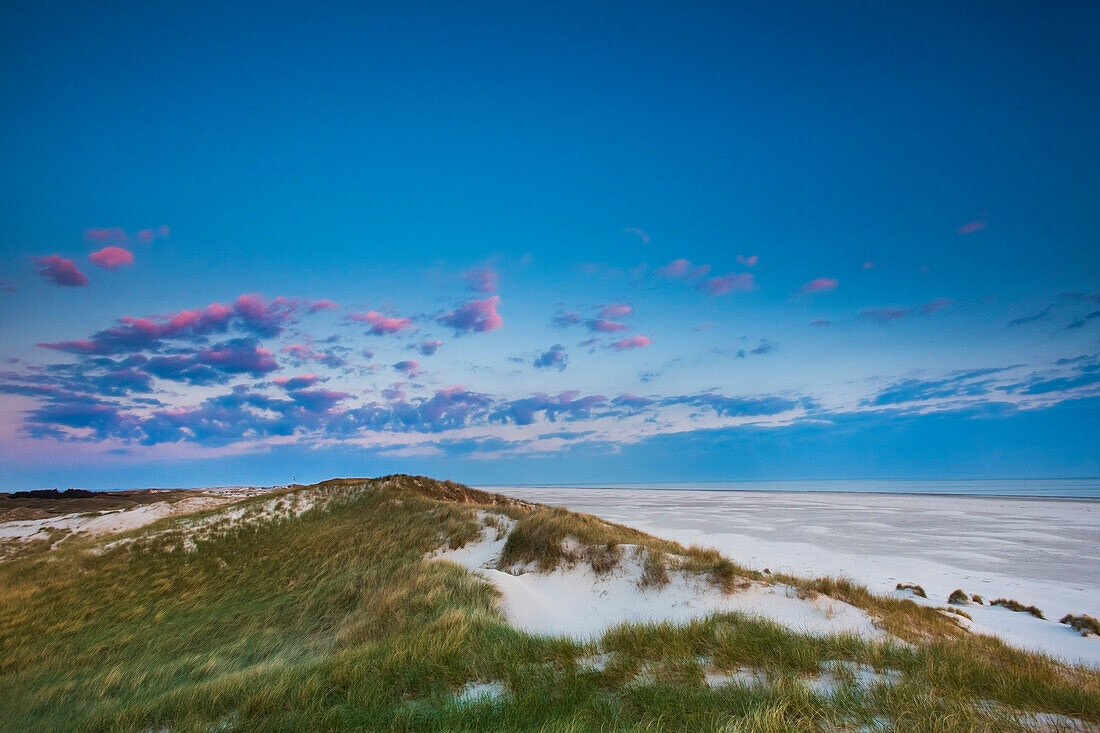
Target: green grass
point(332, 620)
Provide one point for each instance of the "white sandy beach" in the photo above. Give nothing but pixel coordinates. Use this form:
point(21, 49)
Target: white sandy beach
point(1040, 552)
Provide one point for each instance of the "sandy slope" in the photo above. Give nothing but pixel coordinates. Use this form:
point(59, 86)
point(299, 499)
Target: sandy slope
point(577, 602)
point(97, 524)
point(1041, 552)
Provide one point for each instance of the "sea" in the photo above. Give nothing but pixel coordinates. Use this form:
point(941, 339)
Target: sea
point(1045, 488)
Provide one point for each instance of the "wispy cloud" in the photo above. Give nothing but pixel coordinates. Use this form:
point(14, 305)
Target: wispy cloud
point(765, 347)
point(564, 319)
point(887, 314)
point(638, 233)
point(107, 235)
point(1080, 322)
point(482, 280)
point(937, 305)
point(884, 315)
point(819, 285)
point(381, 325)
point(118, 236)
point(970, 383)
point(600, 325)
point(616, 310)
point(1040, 316)
point(303, 353)
point(970, 227)
point(682, 269)
point(728, 284)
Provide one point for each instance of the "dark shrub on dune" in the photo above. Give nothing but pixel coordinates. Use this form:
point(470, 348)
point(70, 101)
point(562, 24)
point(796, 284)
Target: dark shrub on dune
point(958, 597)
point(54, 494)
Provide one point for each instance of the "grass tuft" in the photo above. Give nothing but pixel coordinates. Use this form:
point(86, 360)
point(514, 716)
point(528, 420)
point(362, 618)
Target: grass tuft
point(654, 570)
point(1013, 605)
point(958, 597)
point(916, 589)
point(1084, 624)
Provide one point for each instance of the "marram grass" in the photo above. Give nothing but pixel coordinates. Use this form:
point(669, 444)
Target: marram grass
point(332, 620)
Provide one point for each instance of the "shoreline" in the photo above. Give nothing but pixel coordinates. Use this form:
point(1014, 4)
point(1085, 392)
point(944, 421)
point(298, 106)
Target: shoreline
point(498, 488)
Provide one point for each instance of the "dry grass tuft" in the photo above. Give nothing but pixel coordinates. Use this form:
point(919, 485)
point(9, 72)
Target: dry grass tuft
point(1014, 605)
point(654, 571)
point(1084, 624)
point(958, 597)
point(917, 590)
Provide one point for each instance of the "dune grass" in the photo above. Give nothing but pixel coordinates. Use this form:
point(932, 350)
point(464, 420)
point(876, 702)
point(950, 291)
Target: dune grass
point(333, 620)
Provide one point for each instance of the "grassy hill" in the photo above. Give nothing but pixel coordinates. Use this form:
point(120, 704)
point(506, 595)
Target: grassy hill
point(314, 608)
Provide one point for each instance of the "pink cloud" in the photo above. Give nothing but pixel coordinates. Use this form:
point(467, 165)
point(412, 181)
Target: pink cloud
point(79, 346)
point(476, 315)
point(427, 348)
point(819, 285)
point(133, 334)
point(702, 327)
point(482, 280)
point(971, 226)
point(750, 261)
point(682, 269)
point(145, 236)
point(61, 271)
point(819, 323)
point(729, 283)
point(868, 265)
point(638, 233)
point(604, 326)
point(634, 342)
point(323, 305)
point(409, 367)
point(616, 310)
point(110, 258)
point(106, 235)
point(240, 358)
point(162, 230)
point(380, 324)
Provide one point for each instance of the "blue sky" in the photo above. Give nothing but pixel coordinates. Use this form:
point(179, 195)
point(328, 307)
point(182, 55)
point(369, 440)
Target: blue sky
point(521, 243)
